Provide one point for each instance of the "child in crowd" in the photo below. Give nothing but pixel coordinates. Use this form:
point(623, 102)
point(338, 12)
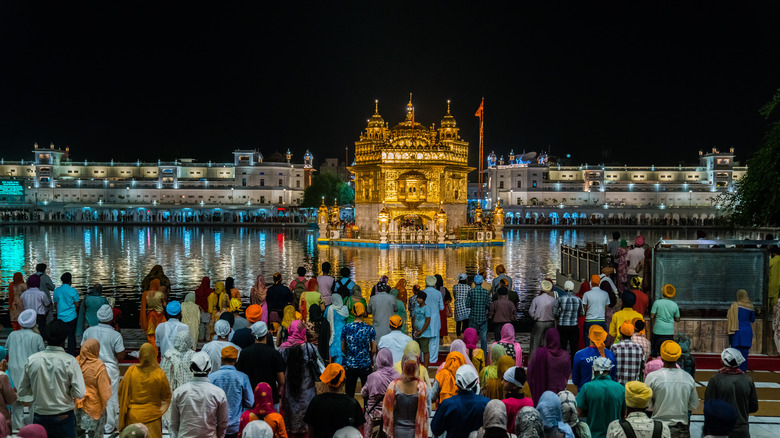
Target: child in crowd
point(422, 327)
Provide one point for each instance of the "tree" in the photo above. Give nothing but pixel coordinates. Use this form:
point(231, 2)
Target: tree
point(756, 200)
point(329, 185)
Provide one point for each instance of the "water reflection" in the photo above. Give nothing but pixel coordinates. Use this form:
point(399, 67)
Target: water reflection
point(119, 257)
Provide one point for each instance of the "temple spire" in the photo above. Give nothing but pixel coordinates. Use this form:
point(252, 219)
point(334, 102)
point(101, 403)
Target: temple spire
point(376, 106)
point(448, 107)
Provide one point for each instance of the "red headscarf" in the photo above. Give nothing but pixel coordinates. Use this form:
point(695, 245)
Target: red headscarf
point(264, 405)
point(202, 294)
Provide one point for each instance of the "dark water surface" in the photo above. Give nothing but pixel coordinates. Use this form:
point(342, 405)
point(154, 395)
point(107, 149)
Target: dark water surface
point(120, 257)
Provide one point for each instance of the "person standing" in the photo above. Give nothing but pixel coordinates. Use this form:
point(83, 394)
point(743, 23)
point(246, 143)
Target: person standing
point(733, 386)
point(279, 297)
point(582, 368)
point(405, 404)
point(332, 409)
point(475, 354)
point(663, 315)
point(243, 338)
point(421, 327)
point(8, 396)
point(541, 312)
point(215, 347)
point(435, 301)
point(262, 363)
point(674, 392)
point(501, 275)
point(595, 301)
point(237, 388)
point(144, 393)
point(112, 350)
point(155, 312)
point(629, 356)
point(199, 408)
point(47, 286)
point(478, 303)
point(89, 308)
point(642, 301)
point(740, 316)
point(16, 287)
point(396, 340)
point(501, 312)
point(601, 400)
point(638, 397)
point(176, 366)
point(336, 314)
point(613, 245)
point(640, 339)
point(382, 306)
point(462, 413)
point(91, 410)
point(325, 281)
point(549, 367)
point(36, 299)
point(165, 333)
point(264, 411)
point(53, 378)
point(299, 388)
point(376, 386)
point(636, 258)
point(21, 344)
point(627, 313)
point(566, 309)
point(358, 342)
point(202, 300)
point(514, 398)
point(67, 300)
point(460, 294)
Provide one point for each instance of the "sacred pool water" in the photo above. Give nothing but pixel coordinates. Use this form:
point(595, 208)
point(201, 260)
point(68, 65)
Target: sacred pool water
point(119, 257)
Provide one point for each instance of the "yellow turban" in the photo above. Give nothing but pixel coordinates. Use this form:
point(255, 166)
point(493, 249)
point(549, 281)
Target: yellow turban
point(627, 328)
point(333, 375)
point(597, 335)
point(229, 353)
point(638, 395)
point(669, 291)
point(358, 309)
point(670, 351)
point(235, 305)
point(396, 321)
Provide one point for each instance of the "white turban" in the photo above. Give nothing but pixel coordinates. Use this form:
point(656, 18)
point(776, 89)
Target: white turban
point(105, 313)
point(202, 362)
point(259, 329)
point(732, 357)
point(466, 378)
point(222, 328)
point(28, 318)
point(258, 429)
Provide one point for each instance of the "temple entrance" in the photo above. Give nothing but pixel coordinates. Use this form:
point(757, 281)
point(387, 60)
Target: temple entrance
point(410, 222)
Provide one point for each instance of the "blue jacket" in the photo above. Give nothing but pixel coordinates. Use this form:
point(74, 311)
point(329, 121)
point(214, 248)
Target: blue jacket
point(459, 415)
point(582, 369)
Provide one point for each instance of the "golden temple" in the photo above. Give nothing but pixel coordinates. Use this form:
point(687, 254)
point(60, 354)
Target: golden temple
point(410, 178)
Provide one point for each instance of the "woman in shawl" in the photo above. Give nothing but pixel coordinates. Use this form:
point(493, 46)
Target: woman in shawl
point(213, 309)
point(401, 288)
point(264, 411)
point(258, 294)
point(289, 315)
point(460, 347)
point(15, 304)
point(7, 392)
point(491, 371)
point(512, 348)
point(549, 407)
point(550, 367)
point(528, 423)
point(475, 354)
point(223, 297)
point(310, 297)
point(401, 309)
point(156, 274)
point(190, 316)
point(202, 300)
point(494, 388)
point(405, 404)
point(91, 410)
point(318, 332)
point(350, 301)
point(570, 416)
point(155, 311)
point(740, 316)
point(444, 384)
point(413, 348)
point(376, 386)
point(447, 300)
point(299, 386)
point(176, 364)
point(230, 287)
point(89, 308)
point(622, 265)
point(144, 393)
point(336, 314)
point(494, 421)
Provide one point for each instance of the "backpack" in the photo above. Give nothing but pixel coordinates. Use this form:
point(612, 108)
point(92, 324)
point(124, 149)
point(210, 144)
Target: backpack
point(298, 290)
point(342, 289)
point(629, 430)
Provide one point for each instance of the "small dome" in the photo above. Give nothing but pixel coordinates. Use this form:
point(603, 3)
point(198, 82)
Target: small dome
point(376, 121)
point(448, 121)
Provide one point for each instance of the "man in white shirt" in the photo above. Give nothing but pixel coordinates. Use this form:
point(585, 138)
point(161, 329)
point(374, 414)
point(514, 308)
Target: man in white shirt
point(325, 282)
point(112, 350)
point(541, 312)
point(595, 302)
point(166, 332)
point(214, 348)
point(36, 299)
point(395, 341)
point(21, 344)
point(53, 378)
point(674, 392)
point(199, 409)
point(436, 302)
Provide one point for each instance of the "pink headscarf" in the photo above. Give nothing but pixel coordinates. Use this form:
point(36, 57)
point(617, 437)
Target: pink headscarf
point(379, 380)
point(508, 337)
point(297, 335)
point(460, 347)
point(471, 338)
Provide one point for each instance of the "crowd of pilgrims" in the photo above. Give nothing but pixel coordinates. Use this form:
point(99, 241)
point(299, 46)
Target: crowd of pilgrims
point(287, 364)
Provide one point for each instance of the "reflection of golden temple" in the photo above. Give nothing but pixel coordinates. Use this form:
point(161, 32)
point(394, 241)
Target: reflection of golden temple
point(416, 175)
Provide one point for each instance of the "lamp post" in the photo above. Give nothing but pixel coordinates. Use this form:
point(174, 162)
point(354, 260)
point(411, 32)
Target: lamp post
point(690, 195)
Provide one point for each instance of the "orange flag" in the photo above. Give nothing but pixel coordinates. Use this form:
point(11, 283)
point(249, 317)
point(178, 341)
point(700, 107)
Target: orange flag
point(481, 108)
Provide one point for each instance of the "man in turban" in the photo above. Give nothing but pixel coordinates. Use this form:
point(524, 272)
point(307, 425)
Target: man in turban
point(478, 301)
point(243, 337)
point(595, 302)
point(21, 344)
point(733, 386)
point(199, 408)
point(601, 400)
point(720, 417)
point(638, 397)
point(630, 356)
point(261, 362)
point(627, 313)
point(582, 367)
point(674, 392)
point(332, 410)
point(664, 314)
point(237, 388)
point(435, 301)
point(636, 258)
point(396, 340)
point(461, 414)
point(166, 332)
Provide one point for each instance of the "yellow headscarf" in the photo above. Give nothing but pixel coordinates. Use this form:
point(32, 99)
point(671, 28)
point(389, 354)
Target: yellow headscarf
point(494, 388)
point(732, 317)
point(288, 316)
point(446, 377)
point(235, 305)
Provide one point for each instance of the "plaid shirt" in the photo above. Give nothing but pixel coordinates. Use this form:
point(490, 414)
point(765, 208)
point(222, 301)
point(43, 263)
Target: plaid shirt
point(630, 359)
point(643, 342)
point(567, 307)
point(479, 303)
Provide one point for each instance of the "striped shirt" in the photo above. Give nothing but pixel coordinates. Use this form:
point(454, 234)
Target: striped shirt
point(630, 359)
point(567, 308)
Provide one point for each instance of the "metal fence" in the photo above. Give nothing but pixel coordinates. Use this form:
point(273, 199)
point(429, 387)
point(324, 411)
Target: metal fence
point(581, 263)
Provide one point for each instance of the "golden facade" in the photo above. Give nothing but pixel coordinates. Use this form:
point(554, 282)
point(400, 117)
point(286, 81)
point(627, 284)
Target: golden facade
point(412, 171)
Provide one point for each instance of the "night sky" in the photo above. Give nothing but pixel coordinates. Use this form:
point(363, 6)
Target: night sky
point(631, 82)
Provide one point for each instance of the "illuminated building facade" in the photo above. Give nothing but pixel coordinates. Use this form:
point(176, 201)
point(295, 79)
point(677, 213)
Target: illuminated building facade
point(414, 175)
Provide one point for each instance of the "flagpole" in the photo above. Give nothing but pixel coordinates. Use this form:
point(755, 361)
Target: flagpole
point(480, 114)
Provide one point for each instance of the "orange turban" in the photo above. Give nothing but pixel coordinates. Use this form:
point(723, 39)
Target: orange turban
point(229, 352)
point(627, 328)
point(358, 309)
point(333, 375)
point(598, 335)
point(253, 313)
point(595, 279)
point(396, 321)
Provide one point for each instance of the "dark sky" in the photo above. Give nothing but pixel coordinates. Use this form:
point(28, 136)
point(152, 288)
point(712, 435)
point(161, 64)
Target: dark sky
point(631, 82)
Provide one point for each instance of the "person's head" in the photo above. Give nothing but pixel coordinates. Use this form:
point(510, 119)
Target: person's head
point(615, 235)
point(40, 267)
point(333, 377)
point(55, 333)
point(66, 278)
point(732, 358)
point(229, 317)
point(200, 364)
point(639, 325)
point(173, 310)
point(513, 380)
point(277, 278)
point(359, 310)
point(421, 297)
point(254, 313)
point(230, 283)
point(430, 281)
point(463, 278)
point(301, 271)
point(105, 314)
point(623, 243)
point(325, 268)
point(720, 417)
point(774, 251)
point(222, 329)
point(500, 269)
point(478, 279)
point(466, 379)
point(410, 367)
point(639, 241)
point(546, 286)
point(670, 352)
point(595, 279)
point(439, 281)
point(416, 289)
point(568, 286)
point(345, 272)
point(629, 299)
point(229, 355)
point(259, 331)
point(235, 305)
point(502, 291)
point(28, 318)
point(669, 291)
point(602, 366)
point(636, 283)
point(396, 322)
point(606, 286)
point(34, 281)
point(597, 336)
point(638, 396)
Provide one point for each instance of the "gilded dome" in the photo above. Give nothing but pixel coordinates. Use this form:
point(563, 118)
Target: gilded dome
point(448, 121)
